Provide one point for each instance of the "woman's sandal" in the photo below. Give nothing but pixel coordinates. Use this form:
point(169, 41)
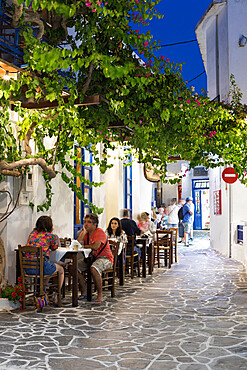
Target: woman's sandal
point(99, 302)
point(82, 296)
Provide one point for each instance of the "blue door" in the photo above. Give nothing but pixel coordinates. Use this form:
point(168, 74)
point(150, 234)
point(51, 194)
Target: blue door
point(82, 207)
point(200, 193)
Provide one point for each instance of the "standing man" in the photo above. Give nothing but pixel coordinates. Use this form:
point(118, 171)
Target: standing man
point(187, 219)
point(95, 239)
point(172, 213)
point(180, 222)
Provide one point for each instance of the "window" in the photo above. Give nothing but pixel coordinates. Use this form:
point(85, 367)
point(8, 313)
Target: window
point(80, 208)
point(240, 234)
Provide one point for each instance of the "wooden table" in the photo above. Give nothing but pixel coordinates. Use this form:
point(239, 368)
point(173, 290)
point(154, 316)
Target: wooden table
point(146, 242)
point(73, 255)
point(121, 267)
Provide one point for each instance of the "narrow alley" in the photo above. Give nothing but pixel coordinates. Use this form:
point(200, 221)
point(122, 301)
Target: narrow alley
point(192, 316)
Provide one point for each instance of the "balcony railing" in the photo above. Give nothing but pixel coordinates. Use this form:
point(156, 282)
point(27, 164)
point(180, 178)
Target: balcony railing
point(10, 48)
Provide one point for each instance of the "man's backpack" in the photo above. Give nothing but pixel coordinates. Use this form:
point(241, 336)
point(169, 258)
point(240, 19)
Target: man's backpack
point(180, 214)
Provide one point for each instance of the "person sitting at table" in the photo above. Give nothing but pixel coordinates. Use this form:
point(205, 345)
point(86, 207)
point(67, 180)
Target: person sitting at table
point(130, 227)
point(95, 239)
point(115, 231)
point(145, 225)
point(42, 235)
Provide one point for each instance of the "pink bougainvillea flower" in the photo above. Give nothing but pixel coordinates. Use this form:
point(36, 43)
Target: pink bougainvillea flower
point(94, 10)
point(145, 44)
point(140, 121)
point(137, 1)
point(168, 60)
point(188, 101)
point(162, 57)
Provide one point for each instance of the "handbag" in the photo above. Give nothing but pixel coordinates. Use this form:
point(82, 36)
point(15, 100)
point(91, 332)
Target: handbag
point(41, 300)
point(92, 258)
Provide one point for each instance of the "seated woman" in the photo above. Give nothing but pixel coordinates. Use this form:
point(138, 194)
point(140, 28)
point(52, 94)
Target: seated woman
point(115, 231)
point(42, 236)
point(145, 225)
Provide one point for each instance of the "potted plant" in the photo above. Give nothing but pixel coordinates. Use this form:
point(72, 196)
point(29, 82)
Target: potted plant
point(11, 296)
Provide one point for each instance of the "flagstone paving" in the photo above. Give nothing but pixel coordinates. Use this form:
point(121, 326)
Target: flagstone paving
point(192, 316)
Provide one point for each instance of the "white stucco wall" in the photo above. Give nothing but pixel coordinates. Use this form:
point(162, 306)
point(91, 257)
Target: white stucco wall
point(224, 226)
point(142, 191)
point(237, 26)
point(232, 60)
point(219, 224)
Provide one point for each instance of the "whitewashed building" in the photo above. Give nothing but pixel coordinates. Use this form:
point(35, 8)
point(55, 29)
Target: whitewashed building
point(123, 187)
point(222, 37)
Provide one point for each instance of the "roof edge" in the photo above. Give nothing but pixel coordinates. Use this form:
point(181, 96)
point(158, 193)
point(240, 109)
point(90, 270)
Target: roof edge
point(208, 9)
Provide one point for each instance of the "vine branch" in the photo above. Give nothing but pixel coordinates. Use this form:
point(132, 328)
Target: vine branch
point(28, 137)
point(8, 169)
point(89, 78)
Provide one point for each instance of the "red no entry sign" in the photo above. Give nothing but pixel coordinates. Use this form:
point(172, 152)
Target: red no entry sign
point(229, 175)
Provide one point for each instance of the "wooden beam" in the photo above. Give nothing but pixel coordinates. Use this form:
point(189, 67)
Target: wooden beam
point(175, 157)
point(88, 100)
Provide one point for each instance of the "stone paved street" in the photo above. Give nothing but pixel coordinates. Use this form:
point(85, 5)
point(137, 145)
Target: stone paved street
point(193, 316)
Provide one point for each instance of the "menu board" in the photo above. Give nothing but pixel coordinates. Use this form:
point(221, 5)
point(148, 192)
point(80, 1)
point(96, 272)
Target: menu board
point(217, 202)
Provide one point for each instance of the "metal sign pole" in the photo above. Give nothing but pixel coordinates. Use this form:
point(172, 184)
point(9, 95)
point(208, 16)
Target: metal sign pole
point(230, 220)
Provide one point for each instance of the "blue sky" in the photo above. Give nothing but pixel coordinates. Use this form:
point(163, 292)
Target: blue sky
point(178, 24)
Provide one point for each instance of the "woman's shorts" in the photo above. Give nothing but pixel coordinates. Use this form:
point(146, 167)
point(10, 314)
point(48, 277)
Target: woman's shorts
point(49, 268)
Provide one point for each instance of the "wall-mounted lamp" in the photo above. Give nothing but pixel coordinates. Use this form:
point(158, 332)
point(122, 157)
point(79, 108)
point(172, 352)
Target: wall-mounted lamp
point(6, 76)
point(242, 41)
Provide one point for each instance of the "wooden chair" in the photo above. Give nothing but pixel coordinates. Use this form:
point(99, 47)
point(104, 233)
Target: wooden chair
point(164, 246)
point(132, 257)
point(32, 258)
point(174, 242)
point(65, 243)
point(108, 276)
